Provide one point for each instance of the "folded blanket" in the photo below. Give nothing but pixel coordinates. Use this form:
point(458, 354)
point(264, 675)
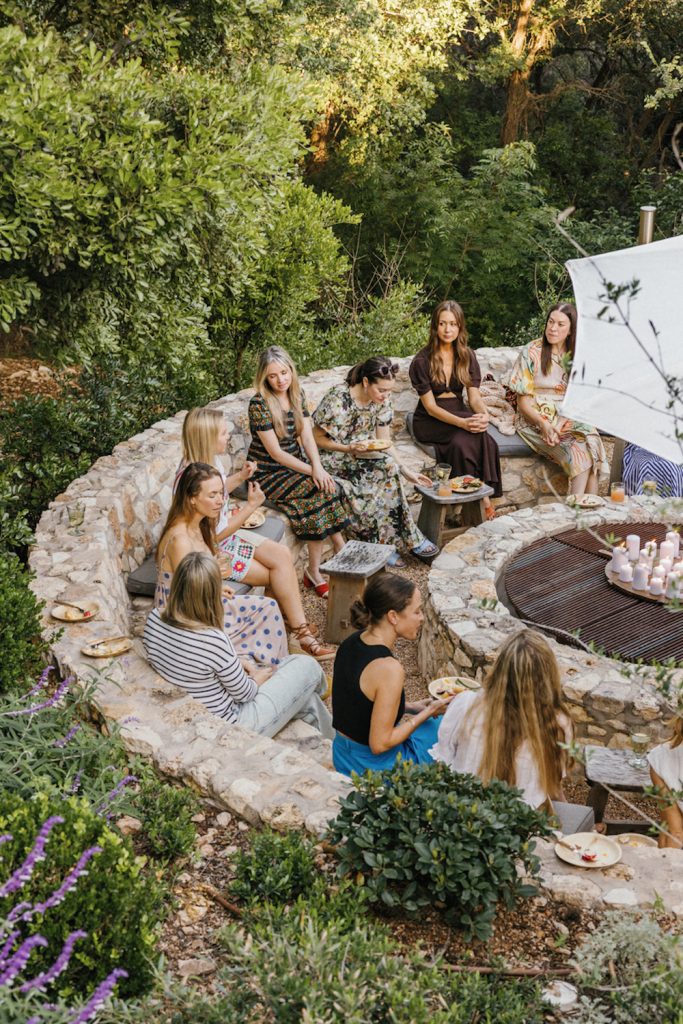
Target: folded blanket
point(499, 409)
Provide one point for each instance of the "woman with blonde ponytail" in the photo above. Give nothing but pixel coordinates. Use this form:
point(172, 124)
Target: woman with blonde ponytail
point(514, 728)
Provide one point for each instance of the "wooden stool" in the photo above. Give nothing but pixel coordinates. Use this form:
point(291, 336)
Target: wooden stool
point(604, 766)
point(349, 571)
point(433, 512)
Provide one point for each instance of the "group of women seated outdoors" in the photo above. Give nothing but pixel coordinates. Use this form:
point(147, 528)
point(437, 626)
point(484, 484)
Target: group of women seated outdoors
point(232, 651)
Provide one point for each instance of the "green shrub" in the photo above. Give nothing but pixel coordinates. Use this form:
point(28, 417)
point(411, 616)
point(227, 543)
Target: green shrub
point(277, 868)
point(23, 652)
point(113, 901)
point(422, 835)
point(630, 972)
point(166, 815)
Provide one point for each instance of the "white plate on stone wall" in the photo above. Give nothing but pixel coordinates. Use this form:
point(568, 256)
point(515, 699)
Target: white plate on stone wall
point(606, 851)
point(108, 648)
point(79, 611)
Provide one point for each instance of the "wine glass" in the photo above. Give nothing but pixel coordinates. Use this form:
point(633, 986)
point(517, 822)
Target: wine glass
point(650, 488)
point(75, 514)
point(640, 741)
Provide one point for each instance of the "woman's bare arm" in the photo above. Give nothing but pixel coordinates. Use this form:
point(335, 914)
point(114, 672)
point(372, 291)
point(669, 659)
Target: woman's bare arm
point(382, 683)
point(474, 424)
point(272, 445)
point(671, 815)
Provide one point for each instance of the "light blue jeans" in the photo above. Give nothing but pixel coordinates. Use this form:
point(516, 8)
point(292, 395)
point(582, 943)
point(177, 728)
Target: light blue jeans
point(291, 692)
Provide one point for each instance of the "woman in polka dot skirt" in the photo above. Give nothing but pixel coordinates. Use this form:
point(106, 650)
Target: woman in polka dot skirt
point(254, 624)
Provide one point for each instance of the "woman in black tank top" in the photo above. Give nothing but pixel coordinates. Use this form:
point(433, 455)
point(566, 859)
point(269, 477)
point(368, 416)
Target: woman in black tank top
point(368, 699)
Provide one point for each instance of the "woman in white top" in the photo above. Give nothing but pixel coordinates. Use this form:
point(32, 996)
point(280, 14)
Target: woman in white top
point(666, 771)
point(186, 644)
point(513, 728)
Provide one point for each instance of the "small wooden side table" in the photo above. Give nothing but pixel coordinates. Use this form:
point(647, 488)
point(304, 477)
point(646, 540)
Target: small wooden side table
point(613, 768)
point(349, 571)
point(433, 512)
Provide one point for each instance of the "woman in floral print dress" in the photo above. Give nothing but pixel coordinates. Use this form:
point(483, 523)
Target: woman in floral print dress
point(539, 380)
point(360, 410)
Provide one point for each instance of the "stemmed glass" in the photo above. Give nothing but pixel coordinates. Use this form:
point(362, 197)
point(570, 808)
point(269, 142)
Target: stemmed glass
point(76, 514)
point(640, 741)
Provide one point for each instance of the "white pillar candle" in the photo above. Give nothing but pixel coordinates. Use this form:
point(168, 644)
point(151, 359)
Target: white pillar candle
point(633, 546)
point(673, 537)
point(678, 567)
point(666, 549)
point(619, 558)
point(646, 558)
point(640, 575)
point(659, 572)
point(651, 548)
point(657, 586)
point(666, 564)
point(626, 573)
point(672, 585)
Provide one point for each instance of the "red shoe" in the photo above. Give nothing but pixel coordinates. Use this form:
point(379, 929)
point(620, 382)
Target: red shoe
point(490, 513)
point(321, 589)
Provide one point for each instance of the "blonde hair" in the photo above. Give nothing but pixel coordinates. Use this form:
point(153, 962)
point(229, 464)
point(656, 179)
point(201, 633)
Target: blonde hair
point(189, 485)
point(462, 351)
point(523, 701)
point(676, 724)
point(195, 601)
point(275, 354)
point(200, 435)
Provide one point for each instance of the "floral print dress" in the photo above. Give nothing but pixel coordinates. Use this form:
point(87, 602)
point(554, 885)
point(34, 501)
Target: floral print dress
point(372, 489)
point(580, 446)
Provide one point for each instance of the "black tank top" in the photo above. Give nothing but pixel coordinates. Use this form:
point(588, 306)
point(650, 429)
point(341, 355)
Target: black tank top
point(351, 709)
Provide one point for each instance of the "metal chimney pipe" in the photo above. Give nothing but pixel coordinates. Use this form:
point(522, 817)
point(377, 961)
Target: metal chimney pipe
point(646, 230)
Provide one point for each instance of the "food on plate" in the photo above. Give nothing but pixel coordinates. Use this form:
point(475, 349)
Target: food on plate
point(465, 483)
point(589, 855)
point(373, 444)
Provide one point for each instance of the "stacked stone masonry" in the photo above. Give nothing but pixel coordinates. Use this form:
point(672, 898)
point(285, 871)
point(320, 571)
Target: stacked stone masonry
point(288, 781)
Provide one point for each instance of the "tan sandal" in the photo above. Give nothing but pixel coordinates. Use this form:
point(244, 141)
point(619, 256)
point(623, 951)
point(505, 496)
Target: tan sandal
point(309, 644)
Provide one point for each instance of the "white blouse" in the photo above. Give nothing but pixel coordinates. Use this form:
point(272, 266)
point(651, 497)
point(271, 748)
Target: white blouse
point(667, 761)
point(462, 748)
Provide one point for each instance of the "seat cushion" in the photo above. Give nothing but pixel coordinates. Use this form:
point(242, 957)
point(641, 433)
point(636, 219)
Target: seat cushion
point(241, 494)
point(573, 817)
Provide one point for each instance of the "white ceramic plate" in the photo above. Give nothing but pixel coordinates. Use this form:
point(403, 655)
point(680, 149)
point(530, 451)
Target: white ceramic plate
point(257, 518)
point(463, 485)
point(374, 444)
point(448, 686)
point(68, 613)
point(635, 839)
point(108, 648)
point(585, 501)
point(606, 851)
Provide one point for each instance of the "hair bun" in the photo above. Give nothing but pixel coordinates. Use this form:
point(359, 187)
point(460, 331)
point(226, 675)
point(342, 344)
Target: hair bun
point(360, 616)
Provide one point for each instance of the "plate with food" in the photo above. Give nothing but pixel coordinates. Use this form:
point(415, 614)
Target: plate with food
point(75, 611)
point(465, 484)
point(373, 444)
point(110, 647)
point(585, 501)
point(448, 686)
point(256, 519)
point(635, 839)
point(588, 850)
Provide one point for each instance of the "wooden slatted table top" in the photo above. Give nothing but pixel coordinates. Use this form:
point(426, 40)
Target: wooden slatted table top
point(357, 559)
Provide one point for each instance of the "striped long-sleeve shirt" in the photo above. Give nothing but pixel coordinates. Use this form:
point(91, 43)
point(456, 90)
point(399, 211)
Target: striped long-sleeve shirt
point(203, 662)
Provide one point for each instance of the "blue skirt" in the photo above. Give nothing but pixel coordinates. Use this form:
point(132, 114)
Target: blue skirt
point(349, 756)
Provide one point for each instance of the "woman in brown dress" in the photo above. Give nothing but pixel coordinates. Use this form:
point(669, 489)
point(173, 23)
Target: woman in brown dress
point(439, 373)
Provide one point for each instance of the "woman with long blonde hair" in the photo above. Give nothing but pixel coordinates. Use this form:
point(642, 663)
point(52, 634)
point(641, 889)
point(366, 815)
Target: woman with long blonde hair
point(254, 624)
point(514, 727)
point(440, 373)
point(288, 461)
point(186, 644)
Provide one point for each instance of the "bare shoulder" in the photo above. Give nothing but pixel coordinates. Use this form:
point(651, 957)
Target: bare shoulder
point(385, 672)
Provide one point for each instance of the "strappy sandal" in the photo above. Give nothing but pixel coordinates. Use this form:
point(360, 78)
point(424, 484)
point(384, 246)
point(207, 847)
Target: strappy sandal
point(309, 644)
point(490, 513)
point(321, 589)
point(425, 550)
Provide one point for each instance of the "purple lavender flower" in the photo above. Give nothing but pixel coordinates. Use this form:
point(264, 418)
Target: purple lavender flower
point(16, 963)
point(129, 718)
point(25, 870)
point(69, 736)
point(69, 882)
point(49, 703)
point(8, 945)
point(44, 676)
point(110, 797)
point(60, 964)
point(76, 784)
point(99, 996)
point(6, 838)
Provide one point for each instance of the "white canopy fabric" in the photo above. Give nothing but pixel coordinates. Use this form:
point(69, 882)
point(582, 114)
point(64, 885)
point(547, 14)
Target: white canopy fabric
point(628, 345)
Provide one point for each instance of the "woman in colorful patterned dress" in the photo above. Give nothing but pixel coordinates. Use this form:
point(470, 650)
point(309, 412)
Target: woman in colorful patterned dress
point(289, 467)
point(539, 379)
point(440, 373)
point(254, 624)
point(360, 410)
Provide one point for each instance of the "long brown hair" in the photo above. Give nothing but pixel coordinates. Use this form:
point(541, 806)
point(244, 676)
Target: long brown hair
point(569, 311)
point(385, 593)
point(188, 487)
point(196, 598)
point(462, 352)
point(523, 701)
point(676, 724)
point(200, 435)
point(276, 354)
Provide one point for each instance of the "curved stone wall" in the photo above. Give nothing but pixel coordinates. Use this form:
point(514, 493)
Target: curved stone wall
point(465, 622)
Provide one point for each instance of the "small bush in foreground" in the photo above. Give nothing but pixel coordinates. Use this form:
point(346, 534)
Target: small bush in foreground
point(631, 972)
point(422, 835)
point(277, 868)
point(23, 652)
point(166, 815)
point(113, 902)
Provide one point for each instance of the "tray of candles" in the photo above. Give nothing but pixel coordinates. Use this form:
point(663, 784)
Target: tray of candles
point(653, 572)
